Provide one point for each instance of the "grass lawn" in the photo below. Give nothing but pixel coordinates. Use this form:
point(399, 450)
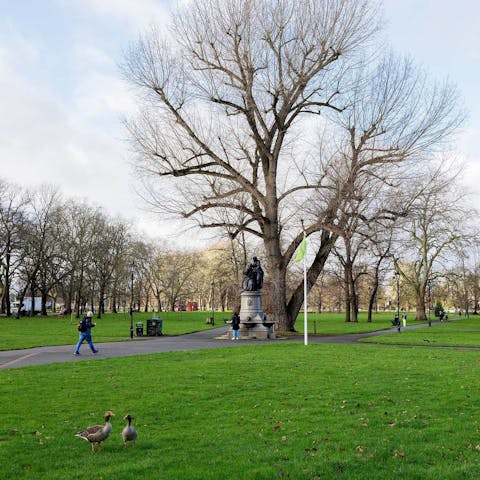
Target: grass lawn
point(334, 323)
point(465, 332)
point(29, 332)
point(275, 411)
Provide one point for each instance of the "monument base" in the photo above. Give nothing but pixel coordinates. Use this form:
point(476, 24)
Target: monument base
point(253, 324)
point(259, 331)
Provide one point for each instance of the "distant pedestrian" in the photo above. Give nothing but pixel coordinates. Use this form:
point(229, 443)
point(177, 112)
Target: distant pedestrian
point(235, 325)
point(84, 329)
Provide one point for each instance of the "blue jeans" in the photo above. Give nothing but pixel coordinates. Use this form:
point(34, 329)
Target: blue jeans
point(235, 333)
point(81, 338)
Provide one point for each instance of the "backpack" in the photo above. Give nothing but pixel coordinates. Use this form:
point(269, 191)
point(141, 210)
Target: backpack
point(82, 325)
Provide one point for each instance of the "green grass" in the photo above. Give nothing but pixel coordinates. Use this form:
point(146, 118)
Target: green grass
point(334, 323)
point(465, 332)
point(29, 332)
point(263, 412)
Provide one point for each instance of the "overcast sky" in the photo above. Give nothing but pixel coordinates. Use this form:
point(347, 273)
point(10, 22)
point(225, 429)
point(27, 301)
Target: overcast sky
point(62, 98)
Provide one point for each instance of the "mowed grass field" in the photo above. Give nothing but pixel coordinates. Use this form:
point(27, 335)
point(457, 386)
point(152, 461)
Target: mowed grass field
point(282, 410)
point(29, 332)
point(39, 331)
point(464, 333)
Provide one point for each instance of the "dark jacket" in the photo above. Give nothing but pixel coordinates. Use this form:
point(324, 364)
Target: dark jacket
point(86, 324)
point(235, 321)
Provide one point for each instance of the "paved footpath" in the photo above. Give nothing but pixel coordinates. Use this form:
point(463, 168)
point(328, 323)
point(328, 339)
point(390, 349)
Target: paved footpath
point(140, 346)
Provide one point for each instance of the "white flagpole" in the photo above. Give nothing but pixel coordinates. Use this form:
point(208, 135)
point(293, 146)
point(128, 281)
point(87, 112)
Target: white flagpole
point(305, 321)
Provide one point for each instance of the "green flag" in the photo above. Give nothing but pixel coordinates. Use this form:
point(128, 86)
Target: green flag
point(302, 250)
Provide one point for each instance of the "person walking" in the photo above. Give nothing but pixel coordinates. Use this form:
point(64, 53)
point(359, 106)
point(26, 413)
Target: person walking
point(235, 325)
point(84, 329)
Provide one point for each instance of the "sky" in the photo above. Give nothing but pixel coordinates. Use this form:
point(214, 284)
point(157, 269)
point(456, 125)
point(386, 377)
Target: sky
point(62, 97)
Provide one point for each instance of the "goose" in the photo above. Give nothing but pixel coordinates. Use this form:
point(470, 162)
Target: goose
point(129, 433)
point(97, 433)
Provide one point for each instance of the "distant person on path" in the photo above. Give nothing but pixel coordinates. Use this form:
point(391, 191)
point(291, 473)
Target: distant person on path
point(235, 325)
point(84, 329)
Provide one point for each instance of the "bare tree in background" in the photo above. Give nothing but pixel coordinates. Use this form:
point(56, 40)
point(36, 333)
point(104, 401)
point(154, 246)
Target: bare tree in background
point(435, 228)
point(79, 240)
point(110, 250)
point(223, 122)
point(13, 202)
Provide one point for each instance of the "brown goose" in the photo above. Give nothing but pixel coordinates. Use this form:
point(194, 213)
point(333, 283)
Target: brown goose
point(98, 433)
point(129, 433)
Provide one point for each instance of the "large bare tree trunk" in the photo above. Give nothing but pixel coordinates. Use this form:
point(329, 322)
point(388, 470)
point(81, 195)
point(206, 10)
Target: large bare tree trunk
point(420, 300)
point(420, 309)
point(277, 291)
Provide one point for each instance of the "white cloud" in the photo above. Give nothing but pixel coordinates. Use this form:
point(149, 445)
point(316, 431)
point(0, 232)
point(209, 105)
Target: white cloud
point(88, 56)
point(102, 95)
point(74, 144)
point(133, 14)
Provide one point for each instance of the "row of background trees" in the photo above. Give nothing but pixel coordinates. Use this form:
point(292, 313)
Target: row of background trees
point(68, 252)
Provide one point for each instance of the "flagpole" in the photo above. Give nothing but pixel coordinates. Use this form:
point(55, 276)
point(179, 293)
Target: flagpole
point(305, 321)
point(302, 255)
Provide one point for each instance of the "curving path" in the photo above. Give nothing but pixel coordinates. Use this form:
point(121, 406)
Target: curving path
point(139, 346)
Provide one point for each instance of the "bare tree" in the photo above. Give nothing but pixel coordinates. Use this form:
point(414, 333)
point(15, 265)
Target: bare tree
point(79, 240)
point(435, 228)
point(111, 244)
point(47, 215)
point(224, 108)
point(380, 250)
point(223, 104)
point(12, 224)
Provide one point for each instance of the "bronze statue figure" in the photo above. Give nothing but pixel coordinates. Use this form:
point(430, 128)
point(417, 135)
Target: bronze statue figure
point(253, 276)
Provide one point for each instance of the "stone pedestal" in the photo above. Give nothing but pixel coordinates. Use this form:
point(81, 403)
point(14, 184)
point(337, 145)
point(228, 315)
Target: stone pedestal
point(252, 318)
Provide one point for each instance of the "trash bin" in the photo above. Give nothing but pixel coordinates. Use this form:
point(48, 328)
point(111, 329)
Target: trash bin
point(139, 329)
point(154, 327)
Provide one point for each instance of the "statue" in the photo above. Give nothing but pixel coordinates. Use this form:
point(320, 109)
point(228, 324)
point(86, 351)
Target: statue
point(253, 276)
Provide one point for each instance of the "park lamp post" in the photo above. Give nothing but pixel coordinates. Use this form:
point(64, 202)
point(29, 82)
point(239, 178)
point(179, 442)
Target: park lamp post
point(212, 284)
point(429, 286)
point(132, 269)
point(397, 275)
